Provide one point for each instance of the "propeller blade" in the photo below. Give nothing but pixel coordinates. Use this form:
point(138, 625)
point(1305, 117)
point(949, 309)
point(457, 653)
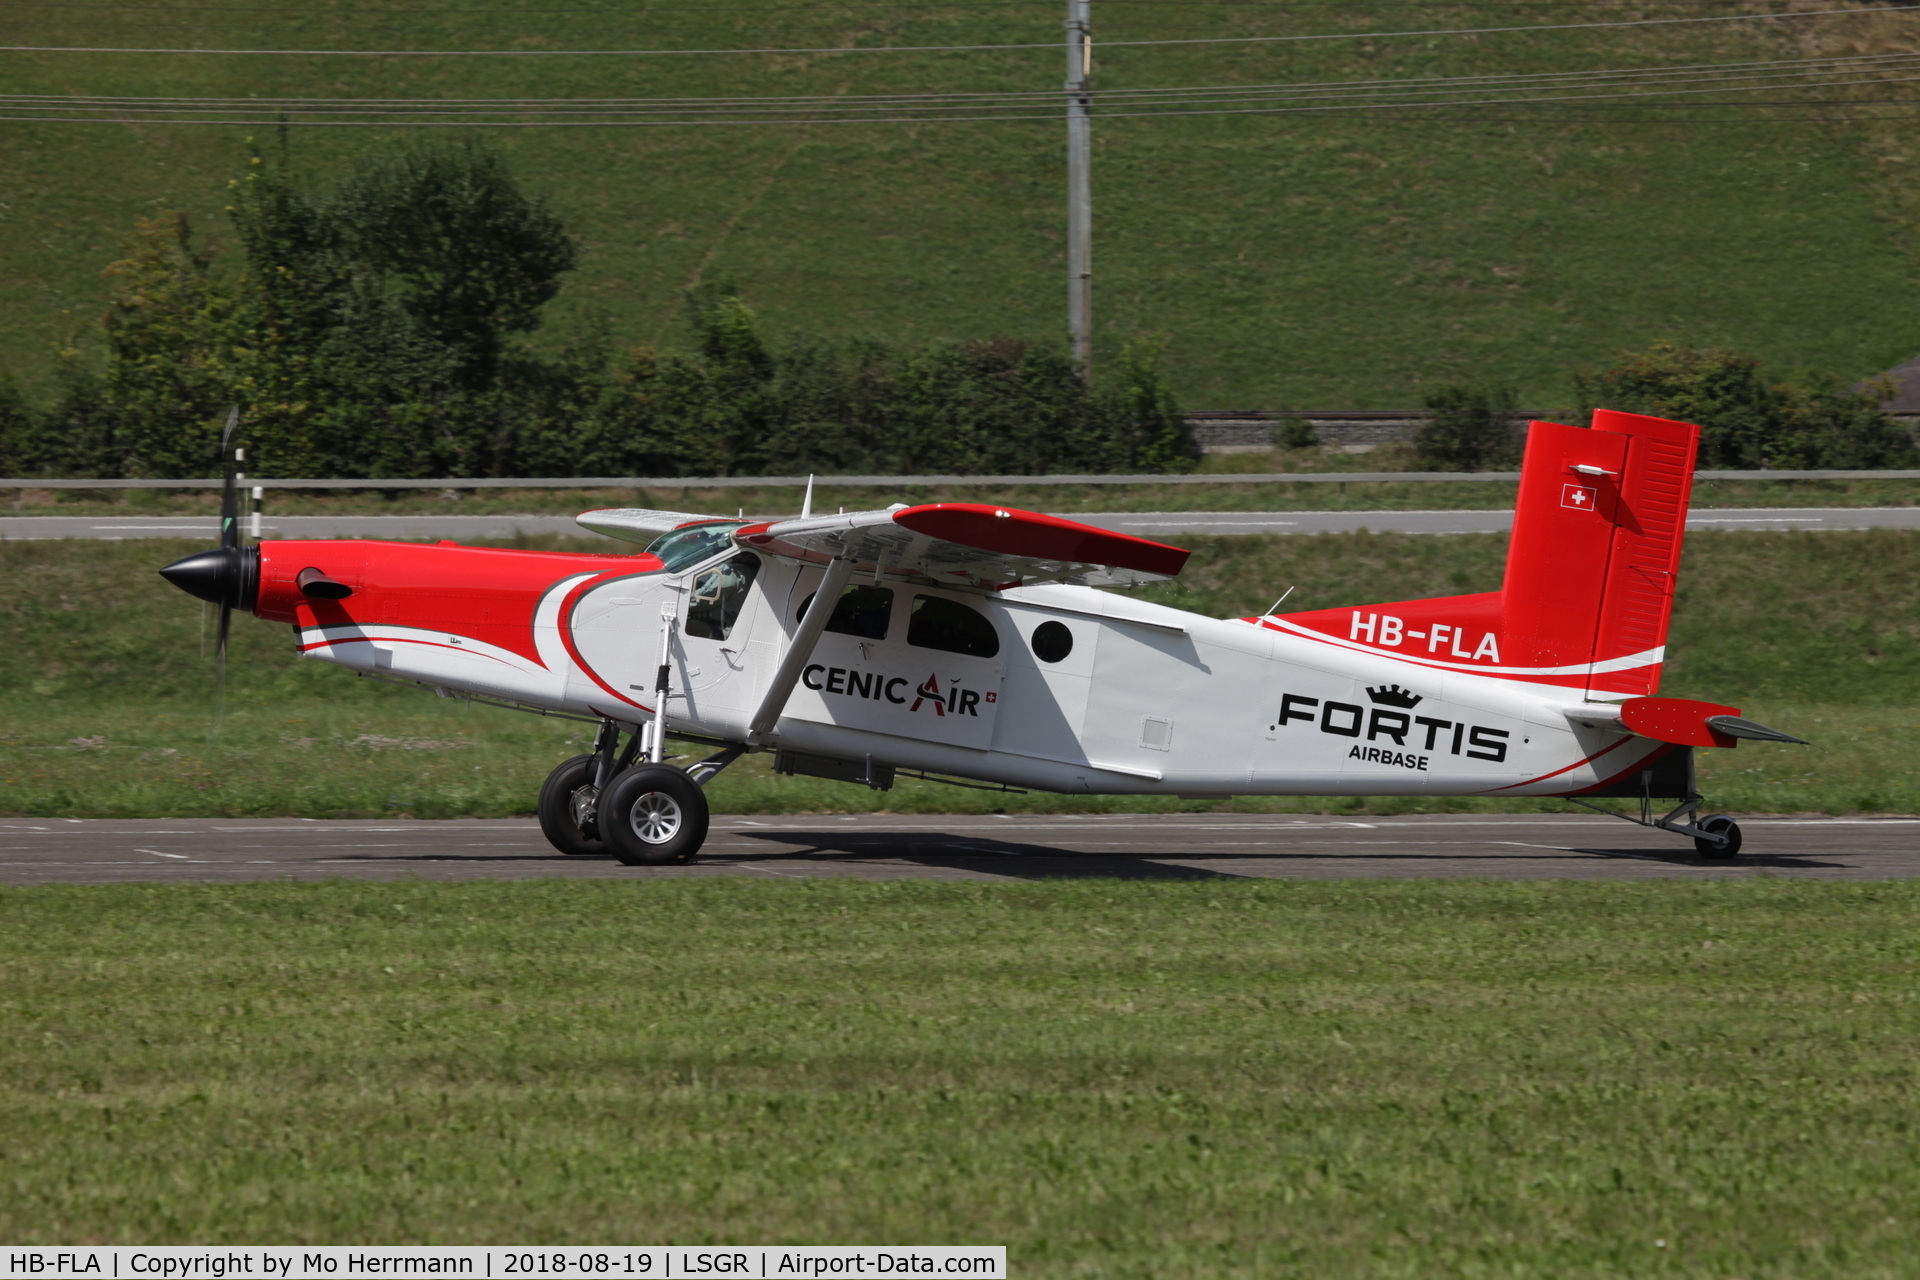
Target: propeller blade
point(229, 503)
point(220, 673)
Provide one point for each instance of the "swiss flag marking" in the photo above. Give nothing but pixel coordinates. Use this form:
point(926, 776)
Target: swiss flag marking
point(1579, 497)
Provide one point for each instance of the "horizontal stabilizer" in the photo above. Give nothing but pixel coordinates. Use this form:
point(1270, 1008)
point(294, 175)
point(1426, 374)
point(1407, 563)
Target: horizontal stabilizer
point(1695, 724)
point(1736, 727)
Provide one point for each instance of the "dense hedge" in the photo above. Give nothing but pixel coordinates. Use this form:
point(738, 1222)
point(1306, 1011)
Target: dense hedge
point(378, 329)
point(1747, 422)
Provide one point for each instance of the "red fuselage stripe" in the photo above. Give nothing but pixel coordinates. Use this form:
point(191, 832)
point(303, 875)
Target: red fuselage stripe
point(1557, 772)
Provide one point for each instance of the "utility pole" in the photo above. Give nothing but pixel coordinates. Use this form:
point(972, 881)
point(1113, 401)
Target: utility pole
point(1080, 183)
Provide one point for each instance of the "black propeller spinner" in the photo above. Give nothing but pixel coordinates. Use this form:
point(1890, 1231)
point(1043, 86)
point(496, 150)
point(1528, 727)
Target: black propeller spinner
point(228, 576)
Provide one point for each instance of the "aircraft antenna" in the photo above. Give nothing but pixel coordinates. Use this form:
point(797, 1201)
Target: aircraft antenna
point(806, 505)
point(1277, 603)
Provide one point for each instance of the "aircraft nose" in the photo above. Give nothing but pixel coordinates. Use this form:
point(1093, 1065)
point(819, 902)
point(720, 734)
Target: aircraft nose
point(215, 576)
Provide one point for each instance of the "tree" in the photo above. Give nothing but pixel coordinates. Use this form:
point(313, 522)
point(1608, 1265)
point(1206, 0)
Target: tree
point(448, 234)
point(176, 348)
point(1471, 428)
point(385, 310)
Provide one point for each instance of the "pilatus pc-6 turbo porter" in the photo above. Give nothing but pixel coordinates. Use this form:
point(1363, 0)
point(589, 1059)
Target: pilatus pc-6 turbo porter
point(971, 642)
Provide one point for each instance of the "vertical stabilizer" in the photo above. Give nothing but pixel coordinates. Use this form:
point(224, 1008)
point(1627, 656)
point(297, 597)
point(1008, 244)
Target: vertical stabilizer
point(1646, 548)
point(1589, 582)
point(1596, 541)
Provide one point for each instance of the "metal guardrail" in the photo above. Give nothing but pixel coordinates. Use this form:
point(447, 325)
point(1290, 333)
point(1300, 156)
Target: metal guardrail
point(883, 482)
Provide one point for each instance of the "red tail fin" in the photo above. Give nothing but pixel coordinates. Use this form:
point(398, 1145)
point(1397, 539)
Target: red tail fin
point(1590, 570)
point(1596, 542)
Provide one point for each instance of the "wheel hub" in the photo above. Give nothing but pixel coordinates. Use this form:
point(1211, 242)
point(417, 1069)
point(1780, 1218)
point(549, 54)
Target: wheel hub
point(655, 817)
point(585, 801)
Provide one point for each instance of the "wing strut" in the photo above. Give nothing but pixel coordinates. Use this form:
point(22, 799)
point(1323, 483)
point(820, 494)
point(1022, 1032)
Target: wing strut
point(839, 573)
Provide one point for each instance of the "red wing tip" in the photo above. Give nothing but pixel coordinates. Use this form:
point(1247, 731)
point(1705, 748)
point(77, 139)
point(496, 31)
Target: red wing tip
point(1000, 512)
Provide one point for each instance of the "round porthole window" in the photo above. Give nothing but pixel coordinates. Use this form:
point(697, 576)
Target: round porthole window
point(1052, 641)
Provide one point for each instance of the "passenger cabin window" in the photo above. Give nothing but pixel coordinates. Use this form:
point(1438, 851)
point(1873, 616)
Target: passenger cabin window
point(862, 611)
point(684, 548)
point(1052, 641)
point(717, 596)
point(948, 625)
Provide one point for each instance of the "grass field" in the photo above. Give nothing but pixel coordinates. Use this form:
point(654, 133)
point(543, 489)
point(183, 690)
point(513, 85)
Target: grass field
point(1228, 1079)
point(104, 699)
point(1319, 261)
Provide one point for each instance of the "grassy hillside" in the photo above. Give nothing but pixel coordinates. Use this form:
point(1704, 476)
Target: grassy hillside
point(1295, 261)
point(104, 696)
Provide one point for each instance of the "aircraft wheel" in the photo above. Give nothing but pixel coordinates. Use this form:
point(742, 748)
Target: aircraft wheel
point(652, 816)
point(560, 805)
point(1728, 831)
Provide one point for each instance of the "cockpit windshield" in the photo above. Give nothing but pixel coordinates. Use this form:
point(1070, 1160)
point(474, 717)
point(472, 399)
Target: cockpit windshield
point(684, 548)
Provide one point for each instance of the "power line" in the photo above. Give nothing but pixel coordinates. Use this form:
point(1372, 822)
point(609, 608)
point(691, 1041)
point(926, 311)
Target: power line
point(1679, 73)
point(896, 5)
point(958, 48)
point(1725, 77)
point(760, 119)
point(1432, 113)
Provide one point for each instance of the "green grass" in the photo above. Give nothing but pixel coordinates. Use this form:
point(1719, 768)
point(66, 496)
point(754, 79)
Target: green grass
point(346, 758)
point(1288, 261)
point(105, 701)
point(1222, 1079)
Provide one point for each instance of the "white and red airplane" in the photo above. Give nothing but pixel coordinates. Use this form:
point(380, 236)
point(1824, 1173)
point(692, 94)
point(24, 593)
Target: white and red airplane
point(970, 641)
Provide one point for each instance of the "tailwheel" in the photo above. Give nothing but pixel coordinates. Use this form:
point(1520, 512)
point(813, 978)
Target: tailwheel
point(566, 809)
point(1722, 840)
point(653, 816)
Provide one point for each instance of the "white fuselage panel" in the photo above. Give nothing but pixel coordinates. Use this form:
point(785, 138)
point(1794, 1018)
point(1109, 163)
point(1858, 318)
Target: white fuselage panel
point(1140, 698)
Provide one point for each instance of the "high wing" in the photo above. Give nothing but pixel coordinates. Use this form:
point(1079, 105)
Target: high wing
point(967, 544)
point(642, 524)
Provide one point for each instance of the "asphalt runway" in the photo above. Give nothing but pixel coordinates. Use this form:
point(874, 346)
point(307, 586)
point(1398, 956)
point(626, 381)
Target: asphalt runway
point(1147, 524)
point(1015, 847)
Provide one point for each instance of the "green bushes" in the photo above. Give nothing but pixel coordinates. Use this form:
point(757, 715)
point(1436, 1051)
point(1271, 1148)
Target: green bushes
point(745, 406)
point(1748, 423)
point(1472, 429)
point(378, 330)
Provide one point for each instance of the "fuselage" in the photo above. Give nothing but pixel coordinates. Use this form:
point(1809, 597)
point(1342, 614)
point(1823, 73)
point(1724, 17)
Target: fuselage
point(1053, 687)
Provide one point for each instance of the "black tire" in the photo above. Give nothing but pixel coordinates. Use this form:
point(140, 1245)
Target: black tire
point(557, 821)
point(653, 815)
point(1724, 827)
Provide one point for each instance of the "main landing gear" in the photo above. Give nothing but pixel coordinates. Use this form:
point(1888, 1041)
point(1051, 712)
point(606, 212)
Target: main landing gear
point(646, 814)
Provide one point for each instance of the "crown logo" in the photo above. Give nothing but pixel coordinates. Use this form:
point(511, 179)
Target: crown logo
point(1394, 696)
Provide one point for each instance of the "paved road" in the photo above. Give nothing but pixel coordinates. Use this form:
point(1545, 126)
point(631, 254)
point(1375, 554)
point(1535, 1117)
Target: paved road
point(1040, 847)
point(1150, 524)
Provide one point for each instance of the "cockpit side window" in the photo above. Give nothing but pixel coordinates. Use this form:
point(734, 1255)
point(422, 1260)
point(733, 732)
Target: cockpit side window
point(718, 594)
point(684, 548)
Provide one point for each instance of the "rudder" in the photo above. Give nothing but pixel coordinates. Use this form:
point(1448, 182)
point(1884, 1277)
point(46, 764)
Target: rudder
point(1597, 532)
point(1588, 589)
